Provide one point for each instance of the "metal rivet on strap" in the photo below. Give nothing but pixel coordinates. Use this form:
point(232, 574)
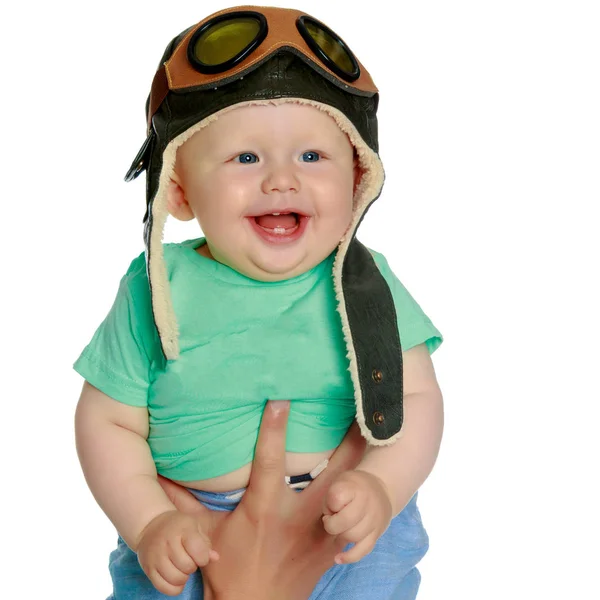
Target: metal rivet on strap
point(378, 418)
point(377, 376)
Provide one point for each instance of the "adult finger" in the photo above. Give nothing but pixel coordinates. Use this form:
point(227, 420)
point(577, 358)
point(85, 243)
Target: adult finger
point(183, 500)
point(186, 503)
point(346, 457)
point(267, 478)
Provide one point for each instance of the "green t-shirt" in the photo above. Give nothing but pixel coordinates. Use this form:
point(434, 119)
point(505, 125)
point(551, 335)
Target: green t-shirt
point(242, 342)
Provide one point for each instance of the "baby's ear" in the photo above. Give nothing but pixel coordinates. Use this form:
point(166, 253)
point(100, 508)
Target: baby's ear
point(177, 205)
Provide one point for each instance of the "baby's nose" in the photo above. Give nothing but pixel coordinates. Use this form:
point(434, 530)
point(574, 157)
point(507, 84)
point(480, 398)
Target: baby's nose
point(281, 178)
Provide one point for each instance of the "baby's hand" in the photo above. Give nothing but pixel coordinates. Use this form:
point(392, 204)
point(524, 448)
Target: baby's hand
point(361, 512)
point(170, 548)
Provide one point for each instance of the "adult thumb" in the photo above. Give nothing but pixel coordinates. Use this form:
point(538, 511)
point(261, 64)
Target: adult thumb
point(183, 500)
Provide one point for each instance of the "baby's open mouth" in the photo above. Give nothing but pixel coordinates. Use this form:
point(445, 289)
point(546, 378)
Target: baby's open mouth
point(280, 227)
point(278, 223)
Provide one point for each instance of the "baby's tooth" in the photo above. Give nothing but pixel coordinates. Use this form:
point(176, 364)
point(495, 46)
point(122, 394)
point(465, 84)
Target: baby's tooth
point(279, 230)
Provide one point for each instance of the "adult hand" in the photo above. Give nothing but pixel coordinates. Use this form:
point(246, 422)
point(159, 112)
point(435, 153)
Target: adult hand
point(273, 545)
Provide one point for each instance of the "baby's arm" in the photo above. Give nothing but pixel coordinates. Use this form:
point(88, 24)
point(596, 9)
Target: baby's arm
point(405, 465)
point(361, 503)
point(118, 466)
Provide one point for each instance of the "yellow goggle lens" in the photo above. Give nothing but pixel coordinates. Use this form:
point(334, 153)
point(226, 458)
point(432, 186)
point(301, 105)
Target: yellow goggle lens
point(225, 40)
point(330, 47)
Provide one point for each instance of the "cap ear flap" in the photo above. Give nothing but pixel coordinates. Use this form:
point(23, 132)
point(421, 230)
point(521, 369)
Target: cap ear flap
point(358, 171)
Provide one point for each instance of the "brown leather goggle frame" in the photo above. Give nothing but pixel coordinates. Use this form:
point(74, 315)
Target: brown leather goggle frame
point(178, 74)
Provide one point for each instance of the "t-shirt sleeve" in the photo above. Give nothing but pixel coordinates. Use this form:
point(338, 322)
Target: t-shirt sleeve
point(414, 325)
point(118, 359)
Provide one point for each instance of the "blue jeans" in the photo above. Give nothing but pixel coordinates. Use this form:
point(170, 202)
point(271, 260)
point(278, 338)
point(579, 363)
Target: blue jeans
point(388, 573)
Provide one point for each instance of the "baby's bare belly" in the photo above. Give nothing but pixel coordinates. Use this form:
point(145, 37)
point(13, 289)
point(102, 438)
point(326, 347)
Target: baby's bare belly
point(296, 463)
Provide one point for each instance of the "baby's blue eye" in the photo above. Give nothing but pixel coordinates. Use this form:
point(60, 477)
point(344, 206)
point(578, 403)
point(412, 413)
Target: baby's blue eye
point(311, 156)
point(247, 158)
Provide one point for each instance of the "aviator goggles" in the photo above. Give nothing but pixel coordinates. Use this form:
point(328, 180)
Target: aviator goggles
point(225, 40)
point(227, 45)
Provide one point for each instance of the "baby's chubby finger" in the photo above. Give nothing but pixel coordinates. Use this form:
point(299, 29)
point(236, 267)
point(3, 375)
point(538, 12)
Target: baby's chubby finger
point(358, 551)
point(163, 586)
point(339, 495)
point(182, 559)
point(166, 577)
point(355, 533)
point(348, 517)
point(198, 549)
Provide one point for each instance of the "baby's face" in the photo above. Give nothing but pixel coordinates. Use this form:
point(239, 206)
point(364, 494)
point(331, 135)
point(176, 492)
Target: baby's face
point(259, 160)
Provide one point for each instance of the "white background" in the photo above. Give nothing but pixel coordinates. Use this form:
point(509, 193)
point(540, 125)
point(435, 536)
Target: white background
point(489, 131)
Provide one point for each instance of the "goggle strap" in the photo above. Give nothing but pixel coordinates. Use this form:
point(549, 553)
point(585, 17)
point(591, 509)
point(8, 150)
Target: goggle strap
point(142, 159)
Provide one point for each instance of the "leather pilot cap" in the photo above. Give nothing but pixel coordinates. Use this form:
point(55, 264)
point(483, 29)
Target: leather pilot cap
point(286, 65)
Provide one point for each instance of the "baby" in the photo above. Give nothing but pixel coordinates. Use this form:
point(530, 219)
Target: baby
point(262, 127)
